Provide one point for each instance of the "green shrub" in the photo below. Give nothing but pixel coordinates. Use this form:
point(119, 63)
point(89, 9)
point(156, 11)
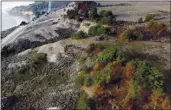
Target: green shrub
point(79, 35)
point(149, 17)
point(101, 30)
point(93, 30)
point(98, 29)
point(148, 76)
point(110, 54)
point(131, 34)
point(134, 89)
point(106, 17)
point(105, 13)
point(39, 58)
point(106, 20)
point(86, 103)
point(81, 59)
point(102, 77)
point(93, 46)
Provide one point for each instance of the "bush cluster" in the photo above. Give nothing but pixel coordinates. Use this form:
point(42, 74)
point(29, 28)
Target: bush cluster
point(131, 34)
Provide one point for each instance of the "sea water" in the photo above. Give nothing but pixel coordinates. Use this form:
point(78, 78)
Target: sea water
point(9, 21)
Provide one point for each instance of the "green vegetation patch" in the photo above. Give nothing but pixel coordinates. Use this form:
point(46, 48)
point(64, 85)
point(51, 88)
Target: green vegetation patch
point(102, 77)
point(106, 17)
point(110, 54)
point(98, 29)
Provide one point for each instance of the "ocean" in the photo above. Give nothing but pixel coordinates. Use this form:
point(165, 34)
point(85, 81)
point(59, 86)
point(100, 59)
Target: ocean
point(9, 21)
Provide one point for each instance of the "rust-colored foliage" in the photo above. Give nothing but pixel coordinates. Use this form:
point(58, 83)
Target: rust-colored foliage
point(96, 51)
point(98, 91)
point(129, 72)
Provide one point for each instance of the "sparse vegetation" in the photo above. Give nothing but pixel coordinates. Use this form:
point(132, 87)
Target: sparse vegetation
point(112, 73)
point(79, 35)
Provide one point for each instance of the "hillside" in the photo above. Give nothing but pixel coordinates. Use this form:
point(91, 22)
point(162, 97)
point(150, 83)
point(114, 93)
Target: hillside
point(84, 56)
